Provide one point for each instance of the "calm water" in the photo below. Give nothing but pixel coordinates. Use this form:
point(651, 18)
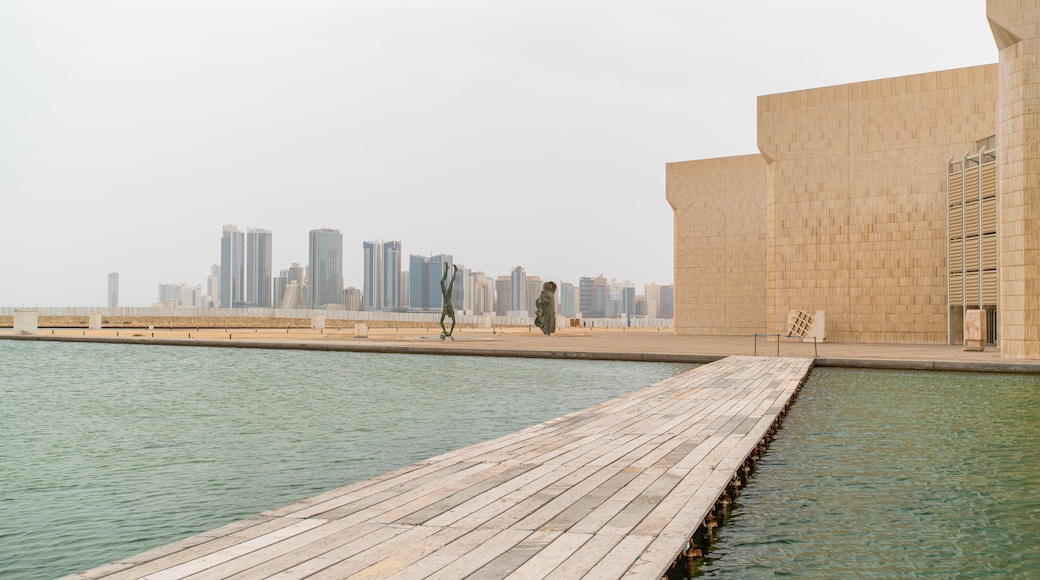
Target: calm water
point(885, 474)
point(110, 450)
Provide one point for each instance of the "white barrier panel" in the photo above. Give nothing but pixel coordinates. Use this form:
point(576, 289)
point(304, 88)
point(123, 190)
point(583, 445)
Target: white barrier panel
point(318, 322)
point(26, 322)
point(95, 321)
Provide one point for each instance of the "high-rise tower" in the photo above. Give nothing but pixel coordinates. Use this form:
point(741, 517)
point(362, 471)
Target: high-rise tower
point(518, 300)
point(113, 290)
point(325, 251)
point(258, 267)
point(373, 283)
point(232, 267)
point(391, 276)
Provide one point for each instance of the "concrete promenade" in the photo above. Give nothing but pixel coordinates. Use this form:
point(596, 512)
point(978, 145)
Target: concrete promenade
point(583, 343)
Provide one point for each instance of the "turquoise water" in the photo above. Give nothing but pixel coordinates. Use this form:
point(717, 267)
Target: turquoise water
point(109, 450)
point(886, 474)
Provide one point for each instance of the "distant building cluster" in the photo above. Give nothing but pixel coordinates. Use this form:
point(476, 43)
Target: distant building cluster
point(244, 278)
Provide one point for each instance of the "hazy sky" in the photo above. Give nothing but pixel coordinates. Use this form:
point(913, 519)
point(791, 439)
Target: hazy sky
point(505, 133)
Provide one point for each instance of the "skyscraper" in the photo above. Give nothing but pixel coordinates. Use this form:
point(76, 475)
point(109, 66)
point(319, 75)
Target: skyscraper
point(326, 267)
point(180, 296)
point(518, 293)
point(503, 295)
point(406, 298)
point(418, 281)
point(628, 298)
point(373, 283)
point(424, 279)
point(666, 307)
point(213, 285)
point(653, 299)
point(567, 303)
point(113, 290)
point(594, 296)
point(258, 270)
point(534, 290)
point(392, 276)
point(437, 265)
point(484, 293)
point(278, 289)
point(232, 267)
point(460, 292)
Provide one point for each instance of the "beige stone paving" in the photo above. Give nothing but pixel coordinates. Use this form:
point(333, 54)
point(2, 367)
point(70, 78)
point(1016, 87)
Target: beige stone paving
point(568, 340)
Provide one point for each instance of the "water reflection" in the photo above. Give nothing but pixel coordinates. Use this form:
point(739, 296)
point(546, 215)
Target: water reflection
point(888, 474)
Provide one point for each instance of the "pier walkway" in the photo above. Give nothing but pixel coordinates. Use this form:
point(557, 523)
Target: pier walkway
point(616, 490)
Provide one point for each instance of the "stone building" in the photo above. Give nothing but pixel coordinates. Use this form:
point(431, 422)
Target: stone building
point(893, 205)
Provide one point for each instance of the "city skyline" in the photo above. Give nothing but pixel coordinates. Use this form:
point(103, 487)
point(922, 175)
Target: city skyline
point(528, 134)
point(387, 283)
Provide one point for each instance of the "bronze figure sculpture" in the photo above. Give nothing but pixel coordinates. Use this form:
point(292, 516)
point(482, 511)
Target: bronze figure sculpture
point(447, 309)
point(545, 308)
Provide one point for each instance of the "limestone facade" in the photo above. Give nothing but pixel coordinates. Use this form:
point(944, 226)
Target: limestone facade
point(844, 208)
point(1016, 30)
point(720, 241)
point(856, 199)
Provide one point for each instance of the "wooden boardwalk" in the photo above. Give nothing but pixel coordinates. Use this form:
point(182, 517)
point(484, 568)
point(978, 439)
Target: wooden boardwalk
point(616, 490)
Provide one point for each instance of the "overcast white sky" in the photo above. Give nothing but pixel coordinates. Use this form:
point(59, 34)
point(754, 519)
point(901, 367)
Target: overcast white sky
point(505, 133)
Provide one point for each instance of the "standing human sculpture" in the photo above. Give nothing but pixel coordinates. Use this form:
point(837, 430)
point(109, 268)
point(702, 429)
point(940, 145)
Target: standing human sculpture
point(447, 309)
point(545, 308)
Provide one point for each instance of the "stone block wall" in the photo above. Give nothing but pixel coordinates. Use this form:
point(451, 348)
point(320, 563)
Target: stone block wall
point(1016, 30)
point(720, 244)
point(856, 199)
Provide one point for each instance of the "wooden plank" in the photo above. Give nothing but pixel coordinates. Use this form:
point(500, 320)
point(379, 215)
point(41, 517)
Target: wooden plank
point(267, 553)
point(314, 549)
point(515, 557)
point(413, 553)
point(362, 496)
point(212, 559)
point(544, 562)
point(591, 500)
point(199, 550)
point(395, 499)
point(551, 508)
point(399, 543)
point(510, 508)
point(587, 556)
point(460, 494)
point(616, 563)
point(480, 555)
point(490, 496)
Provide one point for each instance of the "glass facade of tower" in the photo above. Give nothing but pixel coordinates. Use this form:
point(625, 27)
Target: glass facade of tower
point(437, 265)
point(594, 295)
point(424, 279)
point(232, 267)
point(566, 302)
point(258, 268)
point(391, 276)
point(418, 280)
point(113, 290)
point(373, 279)
point(325, 251)
point(518, 298)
